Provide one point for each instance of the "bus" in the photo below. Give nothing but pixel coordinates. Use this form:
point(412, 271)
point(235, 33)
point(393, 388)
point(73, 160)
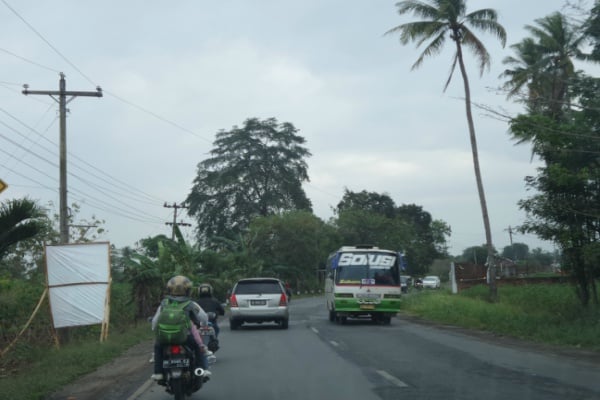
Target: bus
point(363, 281)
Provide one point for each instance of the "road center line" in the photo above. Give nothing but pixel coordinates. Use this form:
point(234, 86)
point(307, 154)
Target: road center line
point(333, 342)
point(315, 330)
point(391, 378)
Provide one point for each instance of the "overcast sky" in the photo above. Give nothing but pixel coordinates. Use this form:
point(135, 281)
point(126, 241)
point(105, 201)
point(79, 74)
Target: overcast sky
point(176, 72)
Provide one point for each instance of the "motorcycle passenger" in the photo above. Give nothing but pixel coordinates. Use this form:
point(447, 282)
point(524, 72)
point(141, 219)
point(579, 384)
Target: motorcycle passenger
point(210, 304)
point(178, 290)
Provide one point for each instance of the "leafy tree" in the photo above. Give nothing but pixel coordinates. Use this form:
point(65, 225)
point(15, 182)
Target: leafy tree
point(592, 30)
point(149, 246)
point(422, 248)
point(474, 254)
point(566, 208)
point(367, 201)
point(255, 170)
point(449, 18)
point(19, 220)
point(516, 252)
point(293, 245)
point(440, 230)
point(541, 258)
point(356, 226)
point(157, 260)
point(367, 217)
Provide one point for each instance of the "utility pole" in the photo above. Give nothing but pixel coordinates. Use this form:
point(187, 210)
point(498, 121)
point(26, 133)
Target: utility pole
point(175, 206)
point(511, 243)
point(62, 101)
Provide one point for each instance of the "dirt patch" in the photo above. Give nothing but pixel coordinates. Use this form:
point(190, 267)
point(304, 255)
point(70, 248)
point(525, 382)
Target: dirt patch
point(116, 380)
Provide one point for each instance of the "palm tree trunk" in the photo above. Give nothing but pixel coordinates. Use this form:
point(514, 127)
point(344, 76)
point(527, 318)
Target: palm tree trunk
point(486, 220)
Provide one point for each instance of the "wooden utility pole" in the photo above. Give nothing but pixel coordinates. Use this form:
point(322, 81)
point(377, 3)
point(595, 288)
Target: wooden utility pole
point(62, 101)
point(175, 206)
point(512, 247)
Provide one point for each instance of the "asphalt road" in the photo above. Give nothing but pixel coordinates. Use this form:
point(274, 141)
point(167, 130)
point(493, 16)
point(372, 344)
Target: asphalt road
point(317, 359)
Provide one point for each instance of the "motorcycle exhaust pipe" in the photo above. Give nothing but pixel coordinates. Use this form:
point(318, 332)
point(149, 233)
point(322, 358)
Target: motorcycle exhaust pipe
point(199, 372)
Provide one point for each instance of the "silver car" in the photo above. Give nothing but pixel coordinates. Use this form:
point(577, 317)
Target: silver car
point(258, 300)
point(432, 282)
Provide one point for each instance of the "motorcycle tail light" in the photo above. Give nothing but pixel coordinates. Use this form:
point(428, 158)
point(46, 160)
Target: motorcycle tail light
point(176, 349)
point(233, 301)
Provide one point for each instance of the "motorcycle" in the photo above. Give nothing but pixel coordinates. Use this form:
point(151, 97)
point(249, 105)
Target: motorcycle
point(181, 377)
point(419, 284)
point(209, 338)
point(208, 333)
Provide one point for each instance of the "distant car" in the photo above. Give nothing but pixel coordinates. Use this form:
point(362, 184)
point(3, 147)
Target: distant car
point(258, 300)
point(432, 282)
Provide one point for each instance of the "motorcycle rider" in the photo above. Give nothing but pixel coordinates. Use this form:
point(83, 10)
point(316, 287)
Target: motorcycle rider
point(210, 304)
point(178, 290)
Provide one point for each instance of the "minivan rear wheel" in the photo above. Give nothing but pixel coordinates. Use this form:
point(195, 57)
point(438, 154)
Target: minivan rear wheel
point(284, 323)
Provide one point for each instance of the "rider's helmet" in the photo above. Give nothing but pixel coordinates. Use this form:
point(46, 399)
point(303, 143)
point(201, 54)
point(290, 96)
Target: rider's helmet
point(205, 290)
point(179, 286)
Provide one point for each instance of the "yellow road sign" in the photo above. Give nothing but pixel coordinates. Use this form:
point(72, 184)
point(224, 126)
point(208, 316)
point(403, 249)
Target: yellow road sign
point(2, 185)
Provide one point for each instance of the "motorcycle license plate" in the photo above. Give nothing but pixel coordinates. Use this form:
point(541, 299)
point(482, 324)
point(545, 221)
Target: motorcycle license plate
point(176, 363)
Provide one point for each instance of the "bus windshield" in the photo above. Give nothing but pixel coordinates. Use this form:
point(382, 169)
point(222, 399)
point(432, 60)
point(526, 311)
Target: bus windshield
point(367, 268)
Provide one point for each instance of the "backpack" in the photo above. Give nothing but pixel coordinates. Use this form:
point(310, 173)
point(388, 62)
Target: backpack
point(173, 324)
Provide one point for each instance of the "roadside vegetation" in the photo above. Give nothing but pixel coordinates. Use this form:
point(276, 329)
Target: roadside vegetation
point(543, 313)
point(41, 370)
point(34, 366)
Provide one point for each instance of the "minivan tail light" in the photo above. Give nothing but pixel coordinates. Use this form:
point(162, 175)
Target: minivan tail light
point(233, 301)
point(283, 300)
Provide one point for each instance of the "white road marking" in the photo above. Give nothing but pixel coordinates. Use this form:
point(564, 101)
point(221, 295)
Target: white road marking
point(391, 378)
point(315, 330)
point(333, 342)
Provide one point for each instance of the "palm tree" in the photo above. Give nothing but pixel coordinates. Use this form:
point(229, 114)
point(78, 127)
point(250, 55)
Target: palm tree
point(525, 74)
point(19, 220)
point(449, 19)
point(545, 63)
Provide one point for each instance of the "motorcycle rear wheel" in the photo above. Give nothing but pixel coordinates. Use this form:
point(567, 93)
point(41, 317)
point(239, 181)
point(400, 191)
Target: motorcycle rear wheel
point(177, 388)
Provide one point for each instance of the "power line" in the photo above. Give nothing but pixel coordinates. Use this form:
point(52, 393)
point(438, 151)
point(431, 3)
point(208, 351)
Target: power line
point(26, 60)
point(124, 186)
point(47, 42)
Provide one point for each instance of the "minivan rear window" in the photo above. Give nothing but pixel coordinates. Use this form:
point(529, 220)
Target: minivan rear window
point(261, 287)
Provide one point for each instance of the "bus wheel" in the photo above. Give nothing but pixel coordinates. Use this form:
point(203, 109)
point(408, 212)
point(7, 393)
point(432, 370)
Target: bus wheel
point(332, 315)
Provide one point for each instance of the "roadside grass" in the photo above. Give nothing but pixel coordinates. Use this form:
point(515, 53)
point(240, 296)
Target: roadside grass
point(43, 370)
point(542, 313)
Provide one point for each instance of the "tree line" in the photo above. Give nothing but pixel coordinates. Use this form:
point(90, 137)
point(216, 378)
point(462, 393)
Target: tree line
point(253, 216)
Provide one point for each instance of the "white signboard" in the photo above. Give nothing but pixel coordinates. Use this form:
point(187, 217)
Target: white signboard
point(78, 283)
